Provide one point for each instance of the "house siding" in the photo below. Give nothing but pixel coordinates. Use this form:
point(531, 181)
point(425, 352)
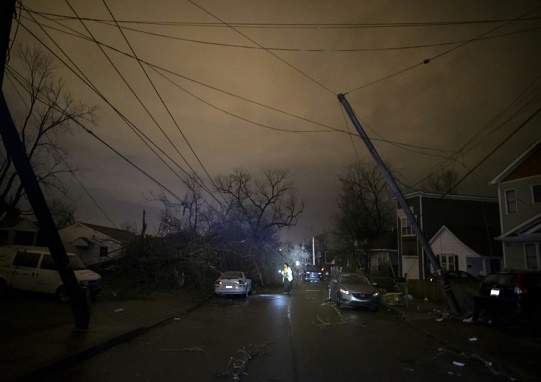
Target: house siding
point(432, 213)
point(526, 209)
point(90, 254)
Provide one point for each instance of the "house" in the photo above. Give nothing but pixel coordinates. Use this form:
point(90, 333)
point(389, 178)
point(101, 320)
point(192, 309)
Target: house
point(15, 230)
point(472, 219)
point(95, 243)
point(459, 248)
point(519, 194)
point(383, 254)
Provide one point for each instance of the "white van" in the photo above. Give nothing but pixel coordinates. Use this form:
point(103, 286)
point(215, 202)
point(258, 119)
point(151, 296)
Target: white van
point(33, 269)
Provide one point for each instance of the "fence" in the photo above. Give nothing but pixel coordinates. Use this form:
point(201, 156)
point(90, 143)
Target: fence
point(464, 291)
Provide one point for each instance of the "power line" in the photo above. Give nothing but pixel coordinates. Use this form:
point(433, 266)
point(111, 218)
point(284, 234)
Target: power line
point(138, 132)
point(428, 60)
point(293, 25)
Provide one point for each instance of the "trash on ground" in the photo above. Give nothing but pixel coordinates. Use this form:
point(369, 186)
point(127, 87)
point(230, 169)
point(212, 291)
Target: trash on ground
point(458, 363)
point(473, 339)
point(236, 367)
point(118, 310)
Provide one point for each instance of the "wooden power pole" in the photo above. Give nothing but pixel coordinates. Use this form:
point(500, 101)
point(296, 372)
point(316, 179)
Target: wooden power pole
point(402, 201)
point(15, 149)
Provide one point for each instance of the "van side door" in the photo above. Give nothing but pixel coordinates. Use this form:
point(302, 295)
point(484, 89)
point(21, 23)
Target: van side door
point(26, 271)
point(48, 278)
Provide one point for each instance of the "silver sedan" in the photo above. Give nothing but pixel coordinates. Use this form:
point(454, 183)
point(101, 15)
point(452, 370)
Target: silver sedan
point(355, 290)
point(233, 282)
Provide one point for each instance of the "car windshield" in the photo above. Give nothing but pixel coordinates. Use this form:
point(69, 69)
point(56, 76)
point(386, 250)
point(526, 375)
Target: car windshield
point(232, 275)
point(312, 268)
point(355, 279)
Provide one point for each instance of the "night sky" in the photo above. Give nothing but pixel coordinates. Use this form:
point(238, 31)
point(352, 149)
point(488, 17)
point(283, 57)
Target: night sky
point(223, 84)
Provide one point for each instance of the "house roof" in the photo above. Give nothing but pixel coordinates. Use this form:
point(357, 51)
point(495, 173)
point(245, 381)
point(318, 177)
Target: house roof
point(530, 230)
point(11, 222)
point(481, 240)
point(449, 196)
point(114, 233)
point(536, 147)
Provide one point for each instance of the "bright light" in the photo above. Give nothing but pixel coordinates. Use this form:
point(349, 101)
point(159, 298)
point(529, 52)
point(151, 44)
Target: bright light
point(344, 291)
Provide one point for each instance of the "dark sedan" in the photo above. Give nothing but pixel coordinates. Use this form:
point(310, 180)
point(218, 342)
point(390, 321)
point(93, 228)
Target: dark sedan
point(312, 273)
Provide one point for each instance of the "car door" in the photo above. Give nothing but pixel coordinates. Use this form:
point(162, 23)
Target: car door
point(26, 272)
point(47, 277)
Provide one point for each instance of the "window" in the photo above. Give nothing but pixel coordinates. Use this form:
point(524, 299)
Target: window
point(104, 251)
point(511, 201)
point(449, 262)
point(531, 252)
point(26, 259)
point(536, 193)
point(406, 227)
point(409, 246)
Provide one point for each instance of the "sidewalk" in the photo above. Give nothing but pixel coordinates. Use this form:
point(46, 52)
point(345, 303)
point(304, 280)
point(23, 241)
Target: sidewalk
point(503, 351)
point(111, 322)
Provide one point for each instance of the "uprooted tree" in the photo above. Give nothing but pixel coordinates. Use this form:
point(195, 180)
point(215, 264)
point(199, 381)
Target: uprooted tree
point(235, 227)
point(45, 111)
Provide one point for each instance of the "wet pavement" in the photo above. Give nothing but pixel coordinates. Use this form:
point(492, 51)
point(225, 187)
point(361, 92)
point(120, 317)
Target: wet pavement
point(27, 357)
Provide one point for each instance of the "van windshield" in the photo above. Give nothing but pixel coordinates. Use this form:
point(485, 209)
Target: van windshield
point(76, 263)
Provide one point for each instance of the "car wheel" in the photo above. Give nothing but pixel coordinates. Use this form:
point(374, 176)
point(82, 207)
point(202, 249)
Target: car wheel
point(62, 293)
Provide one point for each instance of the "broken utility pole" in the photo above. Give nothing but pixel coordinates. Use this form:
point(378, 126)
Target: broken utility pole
point(17, 152)
point(402, 201)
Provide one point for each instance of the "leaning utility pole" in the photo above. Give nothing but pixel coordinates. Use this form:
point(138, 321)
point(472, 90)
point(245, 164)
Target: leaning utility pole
point(402, 201)
point(17, 152)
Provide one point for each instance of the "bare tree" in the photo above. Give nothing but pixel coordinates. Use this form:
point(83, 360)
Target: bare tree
point(256, 208)
point(442, 182)
point(49, 111)
point(365, 207)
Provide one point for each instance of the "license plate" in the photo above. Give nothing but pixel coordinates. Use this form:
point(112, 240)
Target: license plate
point(228, 287)
point(494, 292)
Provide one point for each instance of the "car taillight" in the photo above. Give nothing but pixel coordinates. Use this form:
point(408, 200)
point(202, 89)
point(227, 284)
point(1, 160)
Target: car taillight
point(218, 283)
point(240, 282)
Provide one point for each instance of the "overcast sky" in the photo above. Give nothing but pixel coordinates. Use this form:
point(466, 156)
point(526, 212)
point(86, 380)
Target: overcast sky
point(254, 84)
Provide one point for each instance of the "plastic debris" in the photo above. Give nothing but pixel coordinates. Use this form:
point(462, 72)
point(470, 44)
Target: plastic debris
point(473, 339)
point(458, 363)
point(118, 310)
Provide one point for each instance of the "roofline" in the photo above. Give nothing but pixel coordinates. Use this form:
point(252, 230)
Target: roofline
point(497, 179)
point(450, 196)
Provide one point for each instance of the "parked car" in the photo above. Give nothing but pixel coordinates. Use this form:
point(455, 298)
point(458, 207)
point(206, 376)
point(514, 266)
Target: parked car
point(33, 269)
point(312, 273)
point(326, 270)
point(509, 296)
point(355, 290)
point(233, 283)
point(456, 275)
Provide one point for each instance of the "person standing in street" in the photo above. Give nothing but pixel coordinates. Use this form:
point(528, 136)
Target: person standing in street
point(287, 273)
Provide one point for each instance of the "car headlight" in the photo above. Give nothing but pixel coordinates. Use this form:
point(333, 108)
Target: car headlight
point(344, 291)
point(376, 294)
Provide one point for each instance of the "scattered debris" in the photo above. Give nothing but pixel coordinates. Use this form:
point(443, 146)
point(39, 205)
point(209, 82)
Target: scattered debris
point(236, 367)
point(458, 363)
point(194, 349)
point(473, 339)
point(118, 310)
point(440, 352)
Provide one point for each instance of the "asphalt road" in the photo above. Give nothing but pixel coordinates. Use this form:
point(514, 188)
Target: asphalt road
point(276, 337)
